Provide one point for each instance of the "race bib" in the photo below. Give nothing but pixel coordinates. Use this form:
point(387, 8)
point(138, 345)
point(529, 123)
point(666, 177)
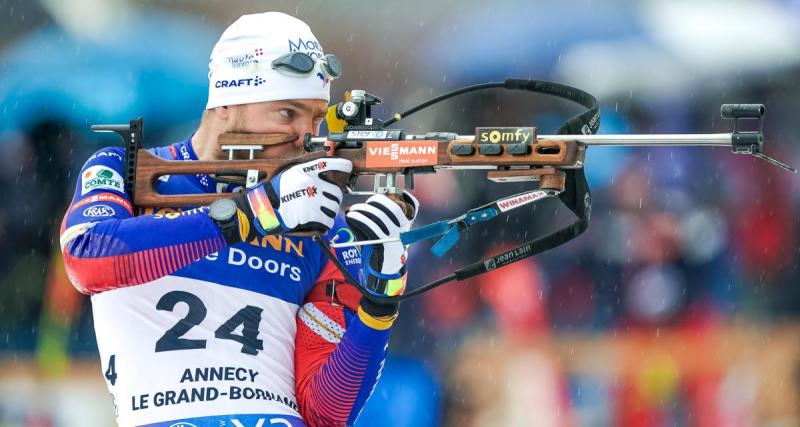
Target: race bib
point(185, 349)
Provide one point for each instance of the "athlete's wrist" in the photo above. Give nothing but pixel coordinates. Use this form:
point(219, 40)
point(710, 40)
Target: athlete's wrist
point(379, 309)
point(260, 203)
point(224, 212)
point(382, 319)
point(248, 215)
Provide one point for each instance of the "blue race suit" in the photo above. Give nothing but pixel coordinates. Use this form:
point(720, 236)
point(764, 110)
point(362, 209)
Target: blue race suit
point(192, 331)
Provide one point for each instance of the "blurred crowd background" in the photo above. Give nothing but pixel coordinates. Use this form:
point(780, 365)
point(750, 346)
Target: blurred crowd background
point(679, 306)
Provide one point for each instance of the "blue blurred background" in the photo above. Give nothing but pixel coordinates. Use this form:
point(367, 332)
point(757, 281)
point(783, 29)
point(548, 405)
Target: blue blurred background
point(678, 307)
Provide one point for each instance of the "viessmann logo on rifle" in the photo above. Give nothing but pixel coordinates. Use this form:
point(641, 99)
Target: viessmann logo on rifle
point(504, 135)
point(406, 153)
point(309, 191)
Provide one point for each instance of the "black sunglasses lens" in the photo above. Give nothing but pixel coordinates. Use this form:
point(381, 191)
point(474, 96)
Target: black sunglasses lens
point(301, 62)
point(334, 65)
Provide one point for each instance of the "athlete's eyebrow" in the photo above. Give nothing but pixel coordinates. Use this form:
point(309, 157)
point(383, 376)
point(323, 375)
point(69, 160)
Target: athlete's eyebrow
point(305, 108)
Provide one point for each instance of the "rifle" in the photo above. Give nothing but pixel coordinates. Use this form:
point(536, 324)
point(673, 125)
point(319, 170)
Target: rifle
point(507, 154)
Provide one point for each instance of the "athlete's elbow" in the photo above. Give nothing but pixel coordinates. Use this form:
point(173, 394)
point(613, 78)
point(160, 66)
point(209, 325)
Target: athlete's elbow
point(88, 272)
point(90, 275)
point(82, 286)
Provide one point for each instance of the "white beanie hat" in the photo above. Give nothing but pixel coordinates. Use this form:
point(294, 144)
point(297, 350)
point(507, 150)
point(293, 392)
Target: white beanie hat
point(240, 71)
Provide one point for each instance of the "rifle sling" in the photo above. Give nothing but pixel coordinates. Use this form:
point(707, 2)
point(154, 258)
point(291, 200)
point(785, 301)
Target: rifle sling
point(576, 197)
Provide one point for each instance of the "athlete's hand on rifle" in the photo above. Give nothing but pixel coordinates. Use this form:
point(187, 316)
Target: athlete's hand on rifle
point(300, 198)
point(380, 217)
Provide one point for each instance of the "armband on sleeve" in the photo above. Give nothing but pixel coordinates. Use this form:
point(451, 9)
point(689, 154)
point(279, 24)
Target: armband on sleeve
point(105, 247)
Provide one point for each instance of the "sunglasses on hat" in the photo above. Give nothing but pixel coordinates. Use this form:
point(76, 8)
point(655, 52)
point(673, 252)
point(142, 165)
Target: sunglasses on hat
point(302, 64)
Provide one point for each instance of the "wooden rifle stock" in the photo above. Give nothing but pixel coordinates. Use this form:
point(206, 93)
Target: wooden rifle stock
point(540, 160)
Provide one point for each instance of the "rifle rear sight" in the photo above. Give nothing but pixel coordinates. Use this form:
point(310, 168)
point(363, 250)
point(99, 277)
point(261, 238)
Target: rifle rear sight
point(357, 111)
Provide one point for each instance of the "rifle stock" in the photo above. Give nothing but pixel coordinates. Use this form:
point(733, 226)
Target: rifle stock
point(541, 159)
point(511, 154)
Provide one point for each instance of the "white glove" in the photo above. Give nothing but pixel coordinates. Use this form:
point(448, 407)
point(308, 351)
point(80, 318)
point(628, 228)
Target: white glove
point(380, 218)
point(297, 199)
point(308, 201)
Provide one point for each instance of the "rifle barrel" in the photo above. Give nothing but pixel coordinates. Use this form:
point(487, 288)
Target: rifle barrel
point(702, 139)
point(697, 139)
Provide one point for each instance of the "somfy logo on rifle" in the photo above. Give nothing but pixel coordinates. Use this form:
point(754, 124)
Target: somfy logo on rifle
point(504, 135)
point(310, 191)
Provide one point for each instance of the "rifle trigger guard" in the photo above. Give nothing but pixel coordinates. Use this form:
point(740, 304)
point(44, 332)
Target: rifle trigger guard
point(359, 193)
point(391, 184)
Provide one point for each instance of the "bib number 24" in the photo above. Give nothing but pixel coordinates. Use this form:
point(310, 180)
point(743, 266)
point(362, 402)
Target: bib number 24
point(249, 317)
